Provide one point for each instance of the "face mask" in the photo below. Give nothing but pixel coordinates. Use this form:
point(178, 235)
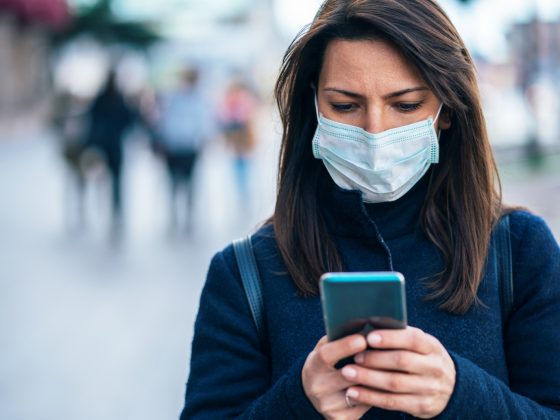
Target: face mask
point(383, 166)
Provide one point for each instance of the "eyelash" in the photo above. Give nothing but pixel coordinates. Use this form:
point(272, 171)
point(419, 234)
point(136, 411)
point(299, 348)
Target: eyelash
point(409, 107)
point(401, 107)
point(342, 107)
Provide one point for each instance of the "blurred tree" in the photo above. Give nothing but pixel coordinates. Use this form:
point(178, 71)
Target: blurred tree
point(99, 21)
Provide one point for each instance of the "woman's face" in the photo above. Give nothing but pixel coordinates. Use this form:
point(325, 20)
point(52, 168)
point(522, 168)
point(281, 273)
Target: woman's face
point(369, 84)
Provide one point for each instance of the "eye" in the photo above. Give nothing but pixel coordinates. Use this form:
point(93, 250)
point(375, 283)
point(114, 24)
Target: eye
point(342, 107)
point(408, 106)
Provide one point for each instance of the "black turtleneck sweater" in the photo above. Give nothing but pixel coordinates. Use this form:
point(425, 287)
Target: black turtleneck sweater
point(511, 373)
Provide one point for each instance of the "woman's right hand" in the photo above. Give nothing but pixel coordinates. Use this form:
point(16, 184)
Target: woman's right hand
point(324, 385)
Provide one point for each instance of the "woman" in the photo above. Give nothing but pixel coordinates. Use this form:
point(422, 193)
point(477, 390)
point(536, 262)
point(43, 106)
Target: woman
point(385, 165)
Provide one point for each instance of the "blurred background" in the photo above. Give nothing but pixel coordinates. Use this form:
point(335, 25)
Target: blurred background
point(104, 245)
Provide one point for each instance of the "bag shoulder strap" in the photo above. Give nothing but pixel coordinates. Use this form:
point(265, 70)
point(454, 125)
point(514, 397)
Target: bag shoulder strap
point(243, 249)
point(503, 263)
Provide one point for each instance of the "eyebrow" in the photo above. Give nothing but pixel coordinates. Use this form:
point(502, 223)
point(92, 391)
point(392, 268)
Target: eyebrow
point(387, 96)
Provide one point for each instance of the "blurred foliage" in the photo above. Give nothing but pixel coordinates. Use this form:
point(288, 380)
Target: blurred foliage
point(100, 22)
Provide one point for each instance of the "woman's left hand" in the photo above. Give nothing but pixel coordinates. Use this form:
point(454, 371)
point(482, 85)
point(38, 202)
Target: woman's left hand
point(406, 370)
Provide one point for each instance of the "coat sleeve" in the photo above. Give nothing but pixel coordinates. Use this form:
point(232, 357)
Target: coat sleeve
point(229, 372)
point(531, 338)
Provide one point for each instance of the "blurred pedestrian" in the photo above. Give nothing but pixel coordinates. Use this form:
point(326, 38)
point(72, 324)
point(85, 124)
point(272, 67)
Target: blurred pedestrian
point(69, 122)
point(182, 129)
point(237, 112)
point(110, 115)
point(534, 152)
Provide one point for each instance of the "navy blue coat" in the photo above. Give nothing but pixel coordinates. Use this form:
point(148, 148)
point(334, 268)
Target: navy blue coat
point(511, 374)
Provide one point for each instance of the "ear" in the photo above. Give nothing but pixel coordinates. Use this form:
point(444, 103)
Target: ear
point(444, 121)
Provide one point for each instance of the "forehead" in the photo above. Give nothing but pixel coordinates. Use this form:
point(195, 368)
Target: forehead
point(366, 65)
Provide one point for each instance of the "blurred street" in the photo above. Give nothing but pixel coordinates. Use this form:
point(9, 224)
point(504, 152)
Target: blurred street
point(97, 329)
point(92, 323)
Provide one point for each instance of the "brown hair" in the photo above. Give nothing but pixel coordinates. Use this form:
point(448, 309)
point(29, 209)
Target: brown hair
point(463, 199)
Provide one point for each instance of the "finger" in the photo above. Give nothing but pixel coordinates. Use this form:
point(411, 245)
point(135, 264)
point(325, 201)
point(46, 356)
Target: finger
point(334, 402)
point(324, 339)
point(338, 403)
point(350, 403)
point(331, 381)
point(330, 353)
point(397, 382)
point(394, 360)
point(412, 404)
point(353, 409)
point(411, 338)
point(335, 381)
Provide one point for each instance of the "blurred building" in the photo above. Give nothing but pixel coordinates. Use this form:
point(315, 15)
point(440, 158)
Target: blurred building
point(25, 26)
point(536, 50)
point(520, 89)
point(536, 57)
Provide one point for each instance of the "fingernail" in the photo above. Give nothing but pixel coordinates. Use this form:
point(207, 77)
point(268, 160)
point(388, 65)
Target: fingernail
point(357, 343)
point(374, 339)
point(352, 393)
point(349, 372)
point(359, 358)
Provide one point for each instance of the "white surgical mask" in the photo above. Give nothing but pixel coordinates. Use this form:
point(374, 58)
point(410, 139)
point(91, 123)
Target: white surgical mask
point(383, 166)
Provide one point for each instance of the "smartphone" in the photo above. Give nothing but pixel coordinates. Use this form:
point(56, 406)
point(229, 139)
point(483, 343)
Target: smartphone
point(360, 302)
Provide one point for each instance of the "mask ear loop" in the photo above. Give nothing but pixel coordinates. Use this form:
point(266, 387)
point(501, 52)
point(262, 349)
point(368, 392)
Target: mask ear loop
point(436, 118)
point(437, 114)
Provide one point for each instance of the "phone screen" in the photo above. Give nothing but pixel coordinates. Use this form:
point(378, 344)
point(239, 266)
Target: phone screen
point(362, 301)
